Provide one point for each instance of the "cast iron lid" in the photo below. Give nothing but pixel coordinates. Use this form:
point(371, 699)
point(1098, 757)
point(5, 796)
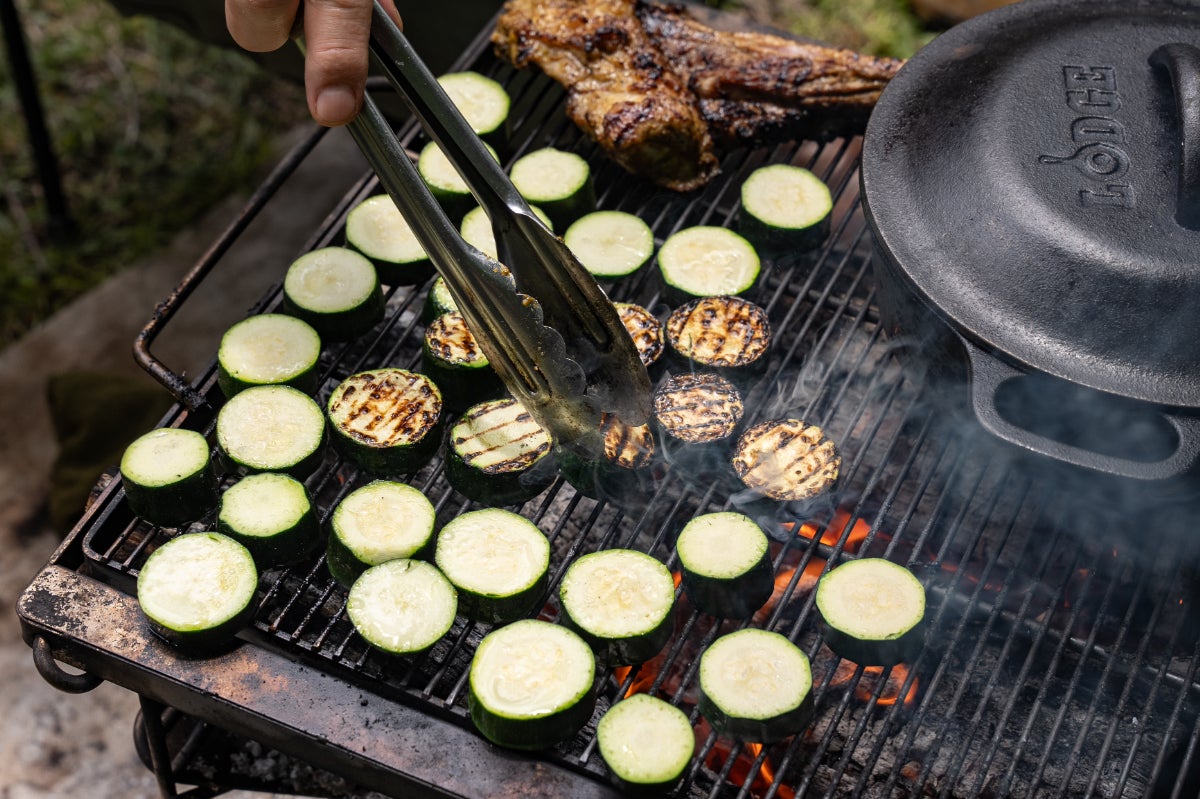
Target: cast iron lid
point(1028, 171)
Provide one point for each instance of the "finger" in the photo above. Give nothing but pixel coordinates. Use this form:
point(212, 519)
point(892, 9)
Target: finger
point(335, 62)
point(260, 26)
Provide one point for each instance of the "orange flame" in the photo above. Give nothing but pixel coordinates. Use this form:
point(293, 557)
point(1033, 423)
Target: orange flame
point(893, 684)
point(740, 770)
point(833, 531)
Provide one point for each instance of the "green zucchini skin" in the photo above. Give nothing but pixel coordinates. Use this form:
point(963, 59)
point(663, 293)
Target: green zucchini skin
point(178, 499)
point(893, 647)
point(342, 324)
point(300, 374)
point(547, 727)
point(807, 223)
point(409, 407)
point(665, 735)
point(734, 595)
point(287, 544)
point(453, 359)
point(481, 436)
point(218, 636)
point(764, 731)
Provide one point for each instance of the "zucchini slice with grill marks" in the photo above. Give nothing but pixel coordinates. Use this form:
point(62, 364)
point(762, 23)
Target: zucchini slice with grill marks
point(498, 454)
point(483, 102)
point(756, 686)
point(532, 685)
point(610, 244)
point(336, 290)
point(197, 590)
point(706, 261)
point(646, 743)
point(720, 333)
point(376, 228)
point(623, 472)
point(620, 602)
point(558, 182)
point(272, 516)
point(873, 612)
point(698, 416)
point(169, 476)
point(726, 564)
point(784, 208)
point(388, 421)
point(375, 523)
point(272, 429)
point(645, 329)
point(402, 607)
point(497, 560)
point(451, 356)
point(268, 349)
point(786, 460)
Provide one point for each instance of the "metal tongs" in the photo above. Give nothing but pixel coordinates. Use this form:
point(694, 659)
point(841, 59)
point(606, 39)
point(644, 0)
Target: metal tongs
point(557, 342)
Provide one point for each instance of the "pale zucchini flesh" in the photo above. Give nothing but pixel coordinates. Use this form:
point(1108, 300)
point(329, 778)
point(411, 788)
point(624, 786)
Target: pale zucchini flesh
point(706, 261)
point(873, 611)
point(402, 607)
point(268, 349)
point(498, 453)
point(785, 207)
point(169, 476)
point(483, 102)
point(559, 182)
point(755, 685)
point(610, 244)
point(336, 290)
point(376, 228)
point(375, 523)
point(476, 229)
point(645, 742)
point(272, 429)
point(271, 515)
point(725, 563)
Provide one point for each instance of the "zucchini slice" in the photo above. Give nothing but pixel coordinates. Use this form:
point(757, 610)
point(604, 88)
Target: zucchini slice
point(336, 290)
point(873, 612)
point(268, 349)
point(169, 476)
point(476, 230)
point(497, 454)
point(784, 208)
point(388, 421)
point(645, 329)
point(786, 460)
point(532, 685)
point(451, 356)
point(483, 102)
point(714, 333)
point(376, 228)
point(619, 601)
point(272, 516)
point(197, 590)
point(646, 743)
point(402, 607)
point(726, 564)
point(444, 182)
point(559, 182)
point(624, 471)
point(708, 261)
point(439, 300)
point(272, 429)
point(375, 523)
point(755, 686)
point(497, 561)
point(610, 244)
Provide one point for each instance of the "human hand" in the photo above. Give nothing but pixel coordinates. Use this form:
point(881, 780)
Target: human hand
point(335, 36)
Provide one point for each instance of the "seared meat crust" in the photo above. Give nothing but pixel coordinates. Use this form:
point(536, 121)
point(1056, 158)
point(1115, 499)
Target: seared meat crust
point(660, 92)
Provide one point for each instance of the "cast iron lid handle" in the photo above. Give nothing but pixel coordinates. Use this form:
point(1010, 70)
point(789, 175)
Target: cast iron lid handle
point(1182, 65)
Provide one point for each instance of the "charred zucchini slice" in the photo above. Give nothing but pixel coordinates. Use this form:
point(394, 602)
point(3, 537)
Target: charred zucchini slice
point(873, 612)
point(619, 601)
point(755, 685)
point(707, 261)
point(786, 460)
point(402, 607)
point(268, 349)
point(645, 329)
point(558, 182)
point(388, 421)
point(483, 102)
point(169, 476)
point(532, 685)
point(726, 564)
point(610, 244)
point(785, 208)
point(497, 454)
point(451, 356)
point(646, 743)
point(497, 560)
point(624, 471)
point(376, 228)
point(698, 408)
point(272, 429)
point(197, 590)
point(336, 290)
point(725, 333)
point(272, 516)
point(375, 523)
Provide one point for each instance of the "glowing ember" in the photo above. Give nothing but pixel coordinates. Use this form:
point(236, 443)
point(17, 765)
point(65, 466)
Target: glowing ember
point(740, 770)
point(892, 690)
point(833, 531)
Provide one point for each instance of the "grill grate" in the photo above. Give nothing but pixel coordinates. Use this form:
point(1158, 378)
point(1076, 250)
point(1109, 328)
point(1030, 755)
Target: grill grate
point(1062, 650)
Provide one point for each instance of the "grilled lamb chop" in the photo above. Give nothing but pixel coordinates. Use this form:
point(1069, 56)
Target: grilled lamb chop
point(660, 91)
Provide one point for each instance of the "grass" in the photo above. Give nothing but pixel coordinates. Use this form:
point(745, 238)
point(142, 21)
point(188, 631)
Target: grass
point(151, 128)
point(876, 27)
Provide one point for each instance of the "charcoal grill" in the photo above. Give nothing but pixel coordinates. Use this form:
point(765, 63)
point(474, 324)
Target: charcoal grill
point(1062, 651)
